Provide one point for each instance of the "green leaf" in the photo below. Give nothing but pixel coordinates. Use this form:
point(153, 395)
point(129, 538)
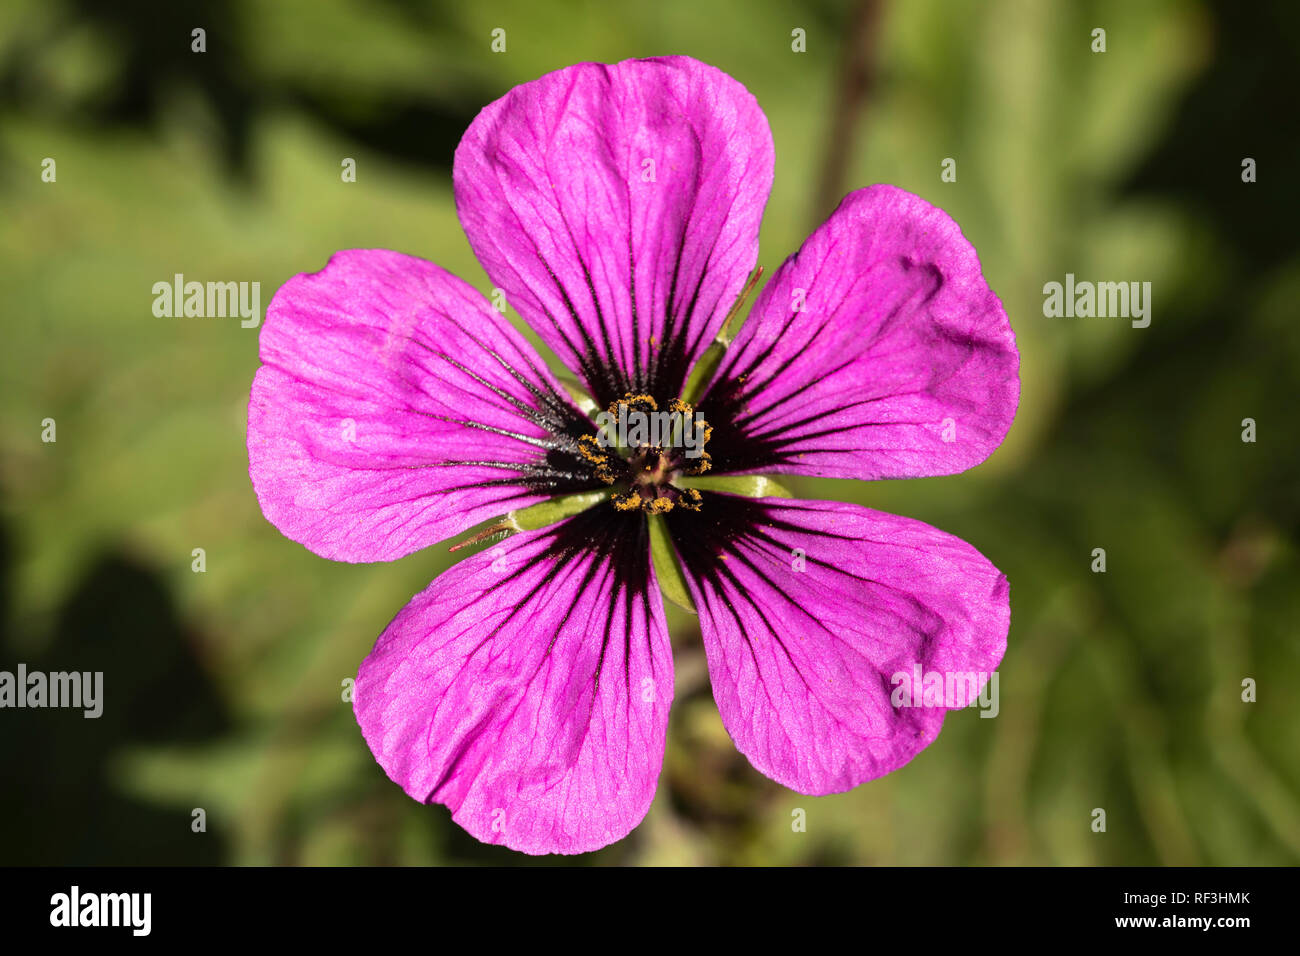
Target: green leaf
point(751, 486)
point(668, 569)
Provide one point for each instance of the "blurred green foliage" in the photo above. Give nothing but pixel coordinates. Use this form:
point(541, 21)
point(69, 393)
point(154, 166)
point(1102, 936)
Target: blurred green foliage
point(1119, 690)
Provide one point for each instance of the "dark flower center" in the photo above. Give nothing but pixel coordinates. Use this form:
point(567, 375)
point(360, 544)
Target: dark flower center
point(644, 451)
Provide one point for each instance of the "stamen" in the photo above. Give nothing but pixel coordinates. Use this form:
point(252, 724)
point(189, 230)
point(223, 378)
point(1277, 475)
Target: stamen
point(589, 448)
point(690, 499)
point(650, 470)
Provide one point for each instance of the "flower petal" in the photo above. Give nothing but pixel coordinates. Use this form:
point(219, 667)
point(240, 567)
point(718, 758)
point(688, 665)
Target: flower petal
point(395, 408)
point(810, 610)
point(618, 206)
point(528, 687)
point(875, 351)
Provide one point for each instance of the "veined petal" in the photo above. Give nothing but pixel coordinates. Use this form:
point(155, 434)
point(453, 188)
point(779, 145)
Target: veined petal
point(618, 206)
point(812, 610)
point(875, 351)
point(528, 687)
point(395, 408)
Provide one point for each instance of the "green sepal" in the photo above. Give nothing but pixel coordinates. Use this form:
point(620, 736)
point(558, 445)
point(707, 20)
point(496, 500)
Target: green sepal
point(702, 374)
point(578, 392)
point(751, 486)
point(668, 570)
point(555, 509)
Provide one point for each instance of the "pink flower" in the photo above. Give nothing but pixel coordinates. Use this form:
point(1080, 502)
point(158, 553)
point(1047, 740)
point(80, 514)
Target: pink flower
point(618, 207)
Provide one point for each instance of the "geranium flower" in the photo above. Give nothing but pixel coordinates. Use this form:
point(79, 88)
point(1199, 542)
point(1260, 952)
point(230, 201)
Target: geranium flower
point(618, 207)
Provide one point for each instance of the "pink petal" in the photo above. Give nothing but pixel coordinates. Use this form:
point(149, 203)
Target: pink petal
point(528, 687)
point(804, 662)
point(395, 408)
point(626, 277)
point(902, 363)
